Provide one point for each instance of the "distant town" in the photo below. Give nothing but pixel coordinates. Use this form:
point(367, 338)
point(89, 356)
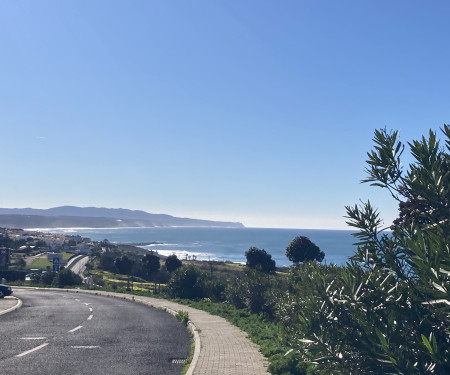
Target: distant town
point(19, 248)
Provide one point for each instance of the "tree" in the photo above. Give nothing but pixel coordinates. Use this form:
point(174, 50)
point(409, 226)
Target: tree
point(40, 244)
point(150, 263)
point(6, 241)
point(302, 249)
point(172, 263)
point(260, 260)
point(66, 277)
point(124, 265)
point(47, 278)
point(107, 262)
point(389, 312)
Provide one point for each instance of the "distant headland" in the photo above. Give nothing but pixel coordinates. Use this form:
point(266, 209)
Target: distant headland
point(95, 217)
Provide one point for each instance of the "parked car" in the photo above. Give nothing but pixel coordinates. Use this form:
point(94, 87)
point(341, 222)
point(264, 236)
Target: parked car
point(5, 290)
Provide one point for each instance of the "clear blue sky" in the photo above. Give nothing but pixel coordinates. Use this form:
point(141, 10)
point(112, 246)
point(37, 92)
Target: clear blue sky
point(253, 111)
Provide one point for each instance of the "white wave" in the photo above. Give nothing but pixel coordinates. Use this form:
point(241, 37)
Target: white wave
point(159, 244)
point(184, 254)
point(72, 229)
point(55, 230)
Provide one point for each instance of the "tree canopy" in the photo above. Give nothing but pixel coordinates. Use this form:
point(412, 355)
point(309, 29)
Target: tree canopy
point(124, 265)
point(260, 260)
point(150, 264)
point(172, 263)
point(302, 249)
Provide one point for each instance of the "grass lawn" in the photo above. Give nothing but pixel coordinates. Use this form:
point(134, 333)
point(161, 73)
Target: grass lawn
point(43, 262)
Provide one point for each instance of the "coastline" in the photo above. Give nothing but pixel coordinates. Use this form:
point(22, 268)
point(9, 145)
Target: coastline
point(215, 244)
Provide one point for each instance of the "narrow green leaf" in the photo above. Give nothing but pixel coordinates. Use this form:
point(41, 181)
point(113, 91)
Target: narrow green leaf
point(383, 341)
point(427, 344)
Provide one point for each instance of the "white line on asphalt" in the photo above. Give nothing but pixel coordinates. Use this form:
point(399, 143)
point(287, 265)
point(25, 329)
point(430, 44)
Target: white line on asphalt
point(33, 338)
point(32, 350)
point(85, 303)
point(85, 347)
point(76, 299)
point(90, 309)
point(90, 317)
point(75, 329)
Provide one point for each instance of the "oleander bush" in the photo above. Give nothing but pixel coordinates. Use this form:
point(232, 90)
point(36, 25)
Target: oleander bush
point(388, 311)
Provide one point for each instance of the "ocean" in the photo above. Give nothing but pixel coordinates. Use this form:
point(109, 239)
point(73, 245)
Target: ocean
point(224, 244)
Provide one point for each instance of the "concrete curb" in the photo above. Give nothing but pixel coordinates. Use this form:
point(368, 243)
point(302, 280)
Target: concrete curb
point(197, 346)
point(18, 304)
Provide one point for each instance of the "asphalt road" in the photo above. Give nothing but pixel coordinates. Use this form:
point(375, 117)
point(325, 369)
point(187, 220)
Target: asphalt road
point(78, 264)
point(68, 333)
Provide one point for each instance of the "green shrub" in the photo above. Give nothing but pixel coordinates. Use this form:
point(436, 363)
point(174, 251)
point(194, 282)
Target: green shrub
point(47, 278)
point(35, 278)
point(66, 277)
point(288, 364)
point(183, 317)
point(187, 282)
point(253, 290)
point(214, 289)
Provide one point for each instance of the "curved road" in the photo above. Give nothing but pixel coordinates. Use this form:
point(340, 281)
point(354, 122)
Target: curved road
point(69, 333)
point(78, 264)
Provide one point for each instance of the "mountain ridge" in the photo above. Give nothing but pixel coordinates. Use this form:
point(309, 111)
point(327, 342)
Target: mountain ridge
point(97, 217)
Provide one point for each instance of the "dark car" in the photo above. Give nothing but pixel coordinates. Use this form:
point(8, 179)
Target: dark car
point(5, 290)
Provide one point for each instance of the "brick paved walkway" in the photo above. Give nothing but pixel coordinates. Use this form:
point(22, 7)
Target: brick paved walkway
point(225, 349)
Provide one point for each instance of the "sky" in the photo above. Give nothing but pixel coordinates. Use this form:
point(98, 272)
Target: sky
point(254, 111)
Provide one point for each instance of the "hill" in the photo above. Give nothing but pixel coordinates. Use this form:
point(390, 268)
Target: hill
point(95, 217)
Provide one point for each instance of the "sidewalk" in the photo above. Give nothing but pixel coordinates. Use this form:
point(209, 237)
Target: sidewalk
point(220, 347)
point(8, 304)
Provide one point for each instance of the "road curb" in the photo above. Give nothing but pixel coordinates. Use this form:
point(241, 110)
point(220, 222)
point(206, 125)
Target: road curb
point(18, 304)
point(197, 346)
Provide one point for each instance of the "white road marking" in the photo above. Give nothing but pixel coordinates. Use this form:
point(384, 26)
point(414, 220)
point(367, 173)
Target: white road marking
point(33, 338)
point(85, 347)
point(90, 317)
point(32, 350)
point(75, 329)
point(85, 303)
point(90, 309)
point(76, 299)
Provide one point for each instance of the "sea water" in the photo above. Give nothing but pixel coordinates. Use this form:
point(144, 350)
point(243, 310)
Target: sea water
point(224, 244)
